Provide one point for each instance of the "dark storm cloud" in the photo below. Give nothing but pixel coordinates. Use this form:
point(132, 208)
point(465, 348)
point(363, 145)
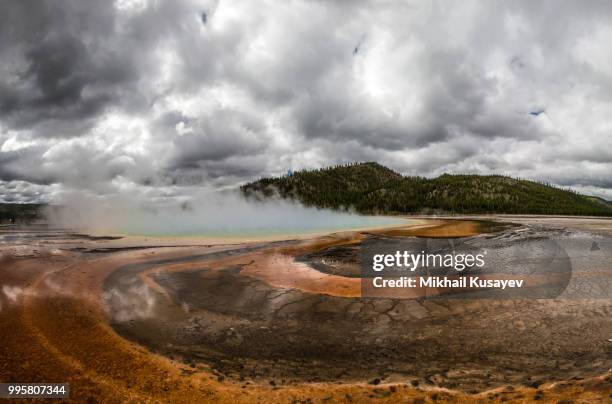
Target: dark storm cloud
point(24, 164)
point(211, 138)
point(162, 94)
point(216, 173)
point(63, 68)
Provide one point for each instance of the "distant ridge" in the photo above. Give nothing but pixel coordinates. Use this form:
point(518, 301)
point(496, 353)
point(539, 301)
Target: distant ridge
point(372, 188)
point(20, 212)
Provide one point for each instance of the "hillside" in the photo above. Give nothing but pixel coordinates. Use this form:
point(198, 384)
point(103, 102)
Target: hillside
point(20, 212)
point(372, 188)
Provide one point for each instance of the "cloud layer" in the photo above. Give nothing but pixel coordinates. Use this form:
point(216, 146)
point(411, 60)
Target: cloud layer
point(161, 98)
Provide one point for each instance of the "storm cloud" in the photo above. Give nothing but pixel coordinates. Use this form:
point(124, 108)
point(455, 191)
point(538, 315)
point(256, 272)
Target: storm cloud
point(162, 98)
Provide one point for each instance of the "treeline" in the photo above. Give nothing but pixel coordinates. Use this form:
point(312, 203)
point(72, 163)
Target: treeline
point(372, 188)
point(20, 212)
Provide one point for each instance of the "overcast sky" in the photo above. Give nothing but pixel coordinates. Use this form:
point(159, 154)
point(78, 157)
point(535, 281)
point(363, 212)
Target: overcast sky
point(163, 97)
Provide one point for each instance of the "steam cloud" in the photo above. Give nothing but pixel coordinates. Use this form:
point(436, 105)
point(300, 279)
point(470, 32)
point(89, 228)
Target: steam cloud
point(207, 213)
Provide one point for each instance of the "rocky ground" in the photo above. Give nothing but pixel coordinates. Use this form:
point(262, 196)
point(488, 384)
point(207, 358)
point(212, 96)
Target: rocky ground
point(249, 322)
point(209, 309)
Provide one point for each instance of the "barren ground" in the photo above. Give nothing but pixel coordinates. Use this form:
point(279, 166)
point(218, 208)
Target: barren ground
point(248, 321)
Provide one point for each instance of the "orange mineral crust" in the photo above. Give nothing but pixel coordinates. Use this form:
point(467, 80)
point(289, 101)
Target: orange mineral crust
point(58, 324)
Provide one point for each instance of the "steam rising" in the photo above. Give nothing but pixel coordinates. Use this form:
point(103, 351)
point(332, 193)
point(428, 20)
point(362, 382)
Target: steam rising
point(135, 303)
point(207, 213)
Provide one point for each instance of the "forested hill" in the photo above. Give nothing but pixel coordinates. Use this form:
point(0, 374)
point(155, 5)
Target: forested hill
point(372, 188)
point(20, 212)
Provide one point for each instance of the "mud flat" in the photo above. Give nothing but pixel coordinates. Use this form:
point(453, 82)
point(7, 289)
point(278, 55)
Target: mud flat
point(286, 321)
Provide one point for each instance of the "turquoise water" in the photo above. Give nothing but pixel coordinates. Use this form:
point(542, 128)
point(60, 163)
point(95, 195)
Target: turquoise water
point(256, 229)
